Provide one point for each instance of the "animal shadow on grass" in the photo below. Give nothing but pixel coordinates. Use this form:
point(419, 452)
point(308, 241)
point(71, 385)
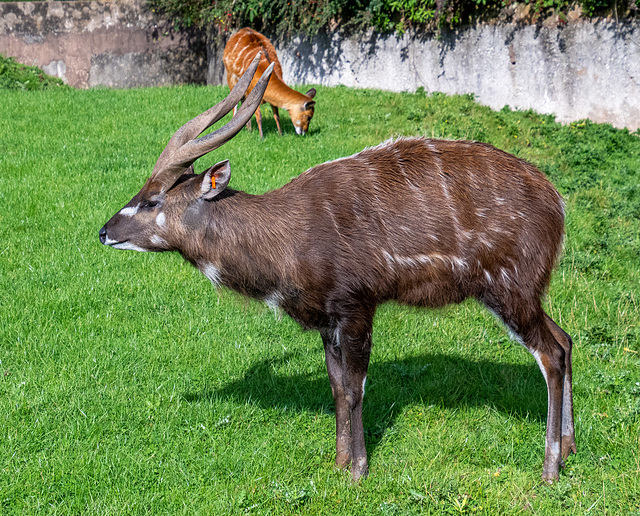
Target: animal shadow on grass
point(431, 379)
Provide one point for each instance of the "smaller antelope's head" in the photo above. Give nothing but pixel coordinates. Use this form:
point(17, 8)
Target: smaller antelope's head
point(301, 114)
point(169, 203)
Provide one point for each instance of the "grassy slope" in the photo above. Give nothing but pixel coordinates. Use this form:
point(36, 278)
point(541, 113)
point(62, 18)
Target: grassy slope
point(128, 385)
point(17, 76)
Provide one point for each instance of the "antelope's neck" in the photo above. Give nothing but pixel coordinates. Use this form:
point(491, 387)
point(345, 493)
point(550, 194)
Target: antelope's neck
point(280, 95)
point(244, 245)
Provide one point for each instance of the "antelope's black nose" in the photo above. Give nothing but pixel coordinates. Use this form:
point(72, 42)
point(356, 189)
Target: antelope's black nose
point(103, 234)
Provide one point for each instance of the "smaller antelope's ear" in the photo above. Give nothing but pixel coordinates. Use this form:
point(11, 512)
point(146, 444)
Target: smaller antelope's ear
point(311, 93)
point(215, 179)
point(309, 104)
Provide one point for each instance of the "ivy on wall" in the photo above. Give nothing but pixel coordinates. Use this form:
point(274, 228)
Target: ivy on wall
point(284, 17)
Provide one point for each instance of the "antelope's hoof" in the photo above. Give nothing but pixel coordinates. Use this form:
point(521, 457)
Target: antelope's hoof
point(359, 470)
point(343, 456)
point(550, 477)
point(568, 446)
point(343, 461)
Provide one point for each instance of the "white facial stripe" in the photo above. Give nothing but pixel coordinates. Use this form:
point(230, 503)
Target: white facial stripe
point(161, 219)
point(129, 211)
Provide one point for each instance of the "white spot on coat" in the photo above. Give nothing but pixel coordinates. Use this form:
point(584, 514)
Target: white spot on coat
point(423, 259)
point(336, 335)
point(159, 241)
point(274, 301)
point(212, 273)
point(161, 219)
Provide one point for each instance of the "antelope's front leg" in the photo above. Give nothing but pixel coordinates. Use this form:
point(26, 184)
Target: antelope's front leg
point(259, 122)
point(355, 345)
point(333, 357)
point(276, 117)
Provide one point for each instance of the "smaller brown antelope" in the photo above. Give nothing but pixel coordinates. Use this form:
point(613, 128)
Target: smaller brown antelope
point(242, 47)
point(423, 222)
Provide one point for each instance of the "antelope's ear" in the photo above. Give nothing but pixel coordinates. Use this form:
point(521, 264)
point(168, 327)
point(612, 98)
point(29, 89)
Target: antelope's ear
point(311, 93)
point(215, 179)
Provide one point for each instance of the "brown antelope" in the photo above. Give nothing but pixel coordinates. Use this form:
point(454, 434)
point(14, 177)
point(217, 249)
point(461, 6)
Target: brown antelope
point(420, 221)
point(240, 50)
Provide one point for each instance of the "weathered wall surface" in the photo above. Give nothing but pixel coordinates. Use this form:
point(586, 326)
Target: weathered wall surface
point(586, 69)
point(116, 44)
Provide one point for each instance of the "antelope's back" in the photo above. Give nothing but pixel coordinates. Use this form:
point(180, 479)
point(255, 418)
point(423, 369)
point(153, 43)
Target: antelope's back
point(452, 214)
point(240, 50)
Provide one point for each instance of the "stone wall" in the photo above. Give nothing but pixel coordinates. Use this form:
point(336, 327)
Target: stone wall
point(116, 44)
point(585, 69)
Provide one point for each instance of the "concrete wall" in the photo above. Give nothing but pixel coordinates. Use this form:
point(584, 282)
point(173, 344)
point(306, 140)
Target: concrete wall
point(117, 44)
point(585, 69)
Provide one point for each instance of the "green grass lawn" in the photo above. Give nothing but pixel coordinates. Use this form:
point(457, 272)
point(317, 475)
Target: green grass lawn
point(129, 385)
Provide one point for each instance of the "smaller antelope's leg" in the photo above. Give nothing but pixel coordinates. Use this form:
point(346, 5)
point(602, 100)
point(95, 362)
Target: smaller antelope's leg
point(568, 429)
point(343, 417)
point(248, 124)
point(259, 122)
point(276, 117)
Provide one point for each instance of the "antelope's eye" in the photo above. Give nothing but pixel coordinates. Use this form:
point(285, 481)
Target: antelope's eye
point(150, 204)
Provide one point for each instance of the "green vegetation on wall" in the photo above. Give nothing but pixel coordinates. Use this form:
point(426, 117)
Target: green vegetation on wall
point(309, 17)
point(16, 76)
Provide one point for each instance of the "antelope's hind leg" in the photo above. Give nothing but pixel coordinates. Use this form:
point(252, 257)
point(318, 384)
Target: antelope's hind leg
point(550, 356)
point(529, 323)
point(551, 359)
point(568, 429)
point(235, 110)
